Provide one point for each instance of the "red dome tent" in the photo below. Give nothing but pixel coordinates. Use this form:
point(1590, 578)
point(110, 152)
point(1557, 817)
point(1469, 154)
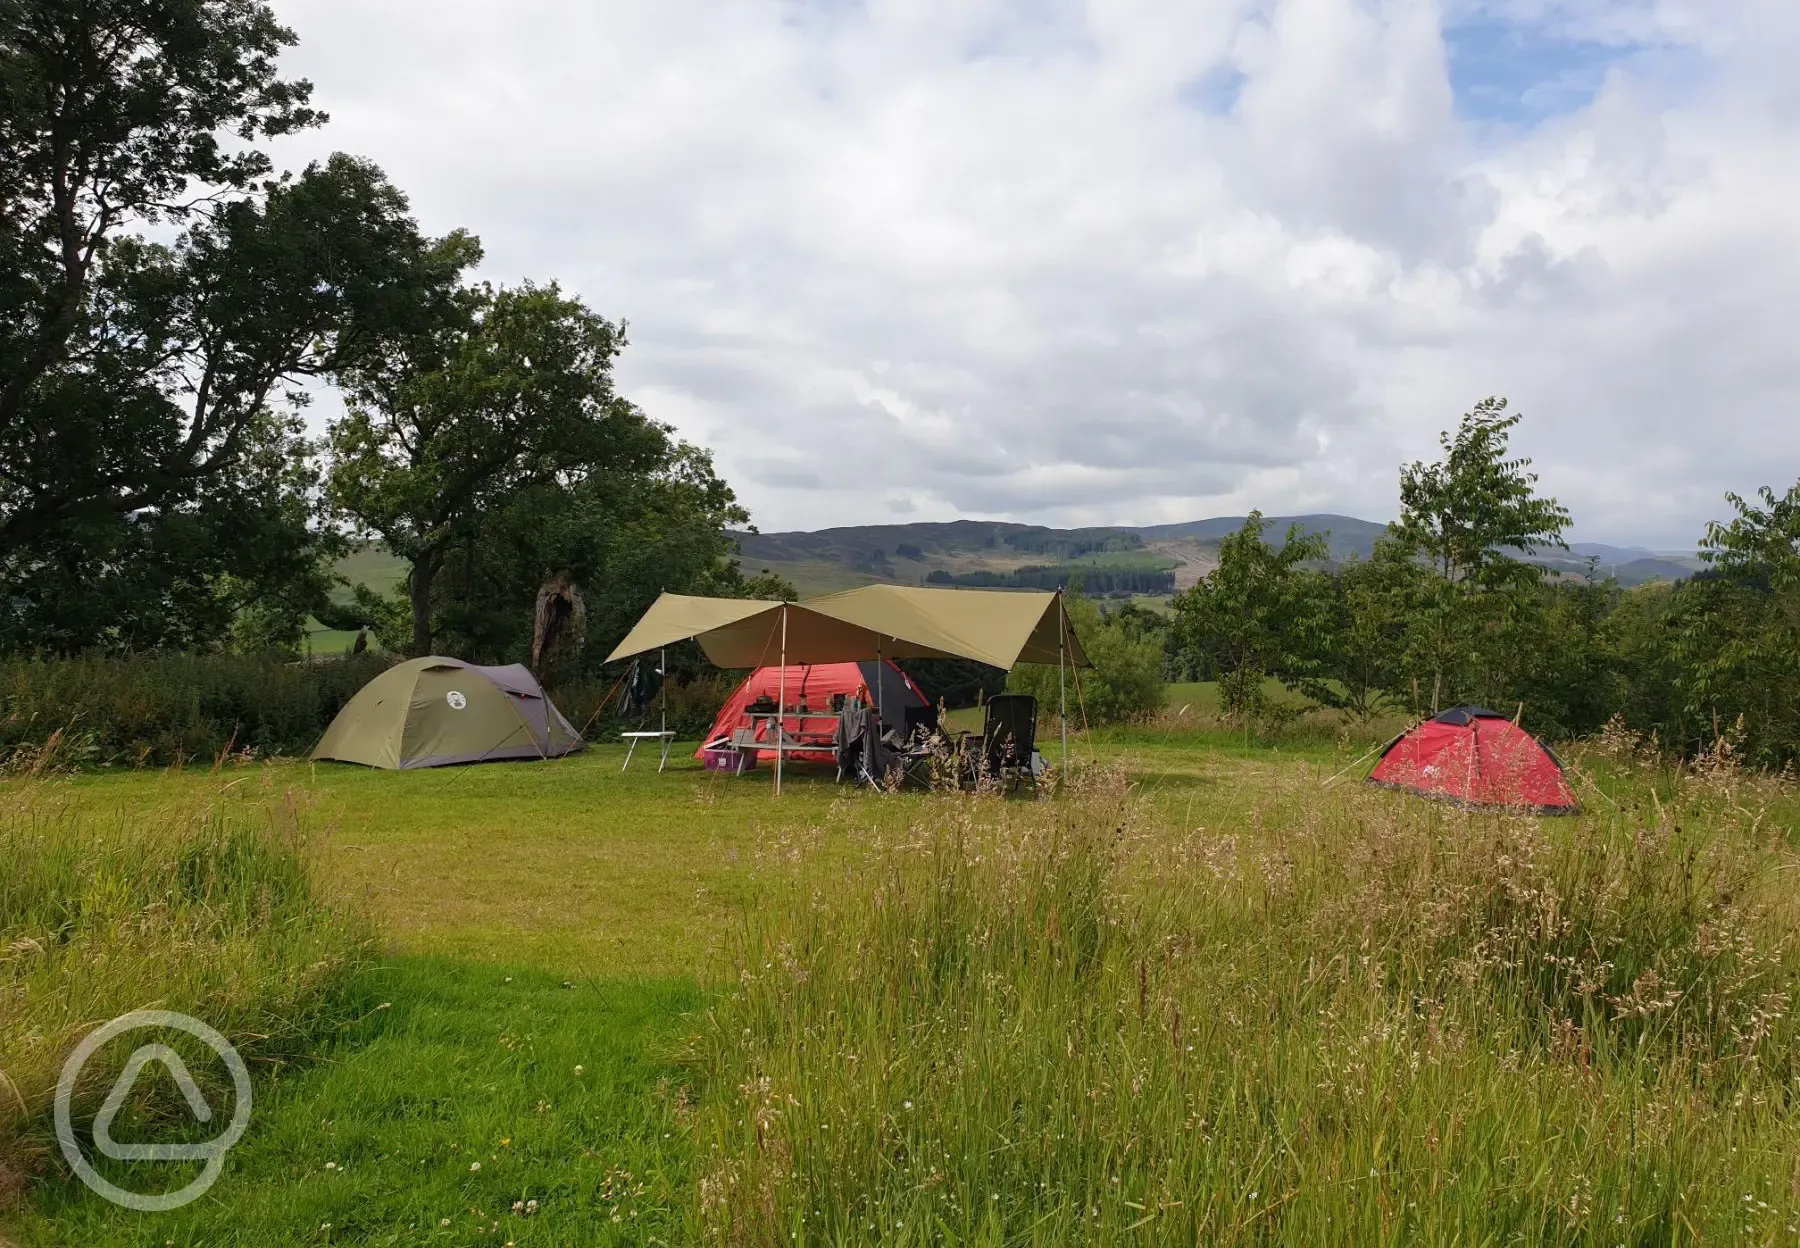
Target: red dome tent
point(1477, 758)
point(812, 686)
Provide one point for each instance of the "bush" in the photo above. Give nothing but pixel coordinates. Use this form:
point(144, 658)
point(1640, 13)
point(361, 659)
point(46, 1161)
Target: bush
point(1125, 683)
point(161, 709)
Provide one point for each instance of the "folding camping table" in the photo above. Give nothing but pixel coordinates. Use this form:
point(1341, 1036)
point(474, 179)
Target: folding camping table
point(666, 735)
point(781, 741)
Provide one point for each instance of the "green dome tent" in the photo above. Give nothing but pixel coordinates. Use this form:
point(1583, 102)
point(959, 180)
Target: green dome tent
point(436, 711)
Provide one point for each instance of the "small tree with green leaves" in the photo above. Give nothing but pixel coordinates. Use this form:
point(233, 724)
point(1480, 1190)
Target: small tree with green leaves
point(1737, 634)
point(1125, 682)
point(1260, 613)
point(1469, 517)
point(1361, 642)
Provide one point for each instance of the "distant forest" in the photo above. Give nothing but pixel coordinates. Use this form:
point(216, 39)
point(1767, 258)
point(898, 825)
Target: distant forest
point(1095, 582)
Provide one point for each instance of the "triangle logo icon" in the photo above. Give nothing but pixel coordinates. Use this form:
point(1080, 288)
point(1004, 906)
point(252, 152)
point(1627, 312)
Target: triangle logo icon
point(121, 1089)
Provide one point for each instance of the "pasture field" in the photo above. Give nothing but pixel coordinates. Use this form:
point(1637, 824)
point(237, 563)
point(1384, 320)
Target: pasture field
point(1202, 996)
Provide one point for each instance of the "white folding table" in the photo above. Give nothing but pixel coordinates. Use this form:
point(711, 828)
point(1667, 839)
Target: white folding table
point(666, 735)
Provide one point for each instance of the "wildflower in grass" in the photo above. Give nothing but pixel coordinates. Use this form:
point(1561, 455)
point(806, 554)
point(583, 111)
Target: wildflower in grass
point(474, 1166)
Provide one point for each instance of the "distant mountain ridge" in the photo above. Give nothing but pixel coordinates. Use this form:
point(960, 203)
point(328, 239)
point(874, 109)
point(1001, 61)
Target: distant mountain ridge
point(984, 552)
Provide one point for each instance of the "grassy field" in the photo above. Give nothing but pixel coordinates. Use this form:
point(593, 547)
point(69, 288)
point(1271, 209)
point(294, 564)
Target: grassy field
point(374, 566)
point(369, 565)
point(1206, 998)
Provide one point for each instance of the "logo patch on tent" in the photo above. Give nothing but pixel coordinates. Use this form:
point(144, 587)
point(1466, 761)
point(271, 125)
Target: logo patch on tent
point(456, 700)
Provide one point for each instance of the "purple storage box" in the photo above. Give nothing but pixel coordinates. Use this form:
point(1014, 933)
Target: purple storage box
point(728, 758)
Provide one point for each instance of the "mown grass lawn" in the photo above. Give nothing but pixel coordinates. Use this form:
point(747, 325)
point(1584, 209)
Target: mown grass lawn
point(469, 1104)
point(569, 865)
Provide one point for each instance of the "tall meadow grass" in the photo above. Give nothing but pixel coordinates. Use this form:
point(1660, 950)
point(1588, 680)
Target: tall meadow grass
point(1337, 1016)
point(204, 906)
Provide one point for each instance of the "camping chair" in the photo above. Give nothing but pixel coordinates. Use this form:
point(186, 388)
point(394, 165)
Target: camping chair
point(1009, 737)
point(853, 728)
point(919, 721)
point(862, 754)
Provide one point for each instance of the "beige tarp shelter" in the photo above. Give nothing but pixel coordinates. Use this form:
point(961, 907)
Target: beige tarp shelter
point(677, 617)
point(1002, 628)
point(744, 632)
point(435, 711)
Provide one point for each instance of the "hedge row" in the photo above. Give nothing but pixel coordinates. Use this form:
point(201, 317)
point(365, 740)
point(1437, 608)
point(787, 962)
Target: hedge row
point(154, 710)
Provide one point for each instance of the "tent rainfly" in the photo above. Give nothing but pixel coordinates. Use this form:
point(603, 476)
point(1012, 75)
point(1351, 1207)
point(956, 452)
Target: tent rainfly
point(436, 711)
point(877, 684)
point(998, 627)
point(1476, 758)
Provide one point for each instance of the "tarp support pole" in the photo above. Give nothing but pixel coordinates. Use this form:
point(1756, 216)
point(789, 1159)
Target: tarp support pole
point(781, 701)
point(1062, 691)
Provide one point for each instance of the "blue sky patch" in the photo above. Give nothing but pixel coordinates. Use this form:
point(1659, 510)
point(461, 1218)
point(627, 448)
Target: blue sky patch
point(1216, 91)
point(1520, 75)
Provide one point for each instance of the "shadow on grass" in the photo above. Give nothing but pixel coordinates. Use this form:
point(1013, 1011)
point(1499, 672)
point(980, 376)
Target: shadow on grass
point(460, 1092)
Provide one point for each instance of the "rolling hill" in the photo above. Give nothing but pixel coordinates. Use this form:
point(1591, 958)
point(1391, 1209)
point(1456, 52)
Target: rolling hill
point(1151, 560)
point(985, 552)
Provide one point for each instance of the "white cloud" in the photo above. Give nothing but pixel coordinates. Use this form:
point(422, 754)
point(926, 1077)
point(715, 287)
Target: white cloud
point(1124, 261)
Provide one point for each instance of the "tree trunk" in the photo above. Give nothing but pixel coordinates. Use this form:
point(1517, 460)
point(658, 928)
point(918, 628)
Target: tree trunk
point(424, 571)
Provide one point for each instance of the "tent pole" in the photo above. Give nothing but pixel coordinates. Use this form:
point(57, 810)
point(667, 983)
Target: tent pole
point(1062, 690)
point(662, 673)
point(781, 701)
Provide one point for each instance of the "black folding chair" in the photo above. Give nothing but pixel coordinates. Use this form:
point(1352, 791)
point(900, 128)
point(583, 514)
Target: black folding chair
point(919, 721)
point(1009, 737)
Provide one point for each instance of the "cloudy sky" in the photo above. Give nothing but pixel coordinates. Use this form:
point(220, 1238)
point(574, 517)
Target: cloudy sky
point(1131, 261)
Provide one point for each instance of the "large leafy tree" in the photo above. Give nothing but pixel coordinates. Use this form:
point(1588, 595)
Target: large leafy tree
point(153, 477)
point(1258, 614)
point(499, 427)
point(621, 534)
point(111, 112)
point(1469, 517)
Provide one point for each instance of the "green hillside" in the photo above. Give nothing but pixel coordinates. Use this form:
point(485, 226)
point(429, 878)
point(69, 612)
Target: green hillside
point(988, 552)
point(372, 565)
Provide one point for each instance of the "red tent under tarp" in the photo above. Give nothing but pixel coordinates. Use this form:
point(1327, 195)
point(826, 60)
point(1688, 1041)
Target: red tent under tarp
point(812, 687)
point(1476, 758)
